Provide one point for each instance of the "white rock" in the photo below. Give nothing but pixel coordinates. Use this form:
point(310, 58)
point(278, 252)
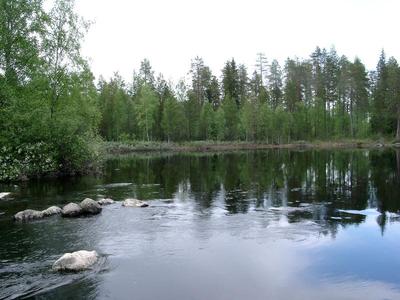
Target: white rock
point(117, 185)
point(53, 210)
point(90, 207)
point(28, 215)
point(2, 195)
point(76, 261)
point(105, 201)
point(71, 210)
point(134, 203)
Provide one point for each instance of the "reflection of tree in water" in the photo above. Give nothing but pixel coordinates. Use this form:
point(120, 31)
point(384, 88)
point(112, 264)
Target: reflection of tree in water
point(385, 174)
point(327, 180)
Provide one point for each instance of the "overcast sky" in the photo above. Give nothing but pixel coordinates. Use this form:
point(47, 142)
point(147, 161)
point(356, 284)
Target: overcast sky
point(171, 32)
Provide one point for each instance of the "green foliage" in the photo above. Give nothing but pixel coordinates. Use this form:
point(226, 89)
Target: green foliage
point(26, 160)
point(206, 121)
point(48, 108)
point(231, 114)
point(145, 111)
point(174, 120)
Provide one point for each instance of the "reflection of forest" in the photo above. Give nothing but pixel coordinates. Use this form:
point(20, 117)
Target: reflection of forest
point(329, 180)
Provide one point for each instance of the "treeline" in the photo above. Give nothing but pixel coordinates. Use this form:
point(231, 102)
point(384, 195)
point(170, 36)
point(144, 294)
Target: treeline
point(325, 96)
point(52, 111)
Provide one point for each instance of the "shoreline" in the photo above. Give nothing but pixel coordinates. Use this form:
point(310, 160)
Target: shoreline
point(116, 148)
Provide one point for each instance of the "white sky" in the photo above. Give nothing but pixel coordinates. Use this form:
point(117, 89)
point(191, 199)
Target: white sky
point(172, 32)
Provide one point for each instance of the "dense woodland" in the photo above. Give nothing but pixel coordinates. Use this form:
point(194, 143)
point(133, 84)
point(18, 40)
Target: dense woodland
point(53, 113)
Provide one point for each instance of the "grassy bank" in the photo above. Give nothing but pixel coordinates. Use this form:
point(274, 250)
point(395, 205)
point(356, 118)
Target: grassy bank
point(205, 146)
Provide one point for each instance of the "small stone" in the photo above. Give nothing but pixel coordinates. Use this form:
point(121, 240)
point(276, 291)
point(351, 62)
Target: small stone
point(134, 203)
point(76, 261)
point(105, 201)
point(71, 210)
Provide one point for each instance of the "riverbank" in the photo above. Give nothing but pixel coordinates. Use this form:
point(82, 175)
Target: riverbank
point(9, 173)
point(207, 146)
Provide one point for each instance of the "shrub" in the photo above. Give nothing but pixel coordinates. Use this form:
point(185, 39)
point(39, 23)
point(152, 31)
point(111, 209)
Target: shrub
point(26, 160)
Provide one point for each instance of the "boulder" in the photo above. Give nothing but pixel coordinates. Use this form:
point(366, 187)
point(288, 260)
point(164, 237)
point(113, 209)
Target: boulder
point(53, 210)
point(71, 210)
point(90, 207)
point(134, 203)
point(105, 201)
point(28, 215)
point(76, 261)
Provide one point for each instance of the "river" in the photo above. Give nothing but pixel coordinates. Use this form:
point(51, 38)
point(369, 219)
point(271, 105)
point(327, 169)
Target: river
point(270, 224)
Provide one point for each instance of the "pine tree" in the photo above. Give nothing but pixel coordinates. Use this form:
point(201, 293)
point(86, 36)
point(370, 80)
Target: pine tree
point(379, 121)
point(201, 80)
point(146, 73)
point(393, 95)
point(230, 81)
point(359, 97)
point(275, 84)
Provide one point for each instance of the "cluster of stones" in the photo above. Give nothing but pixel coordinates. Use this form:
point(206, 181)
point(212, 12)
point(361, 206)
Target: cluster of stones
point(86, 207)
point(72, 210)
point(79, 260)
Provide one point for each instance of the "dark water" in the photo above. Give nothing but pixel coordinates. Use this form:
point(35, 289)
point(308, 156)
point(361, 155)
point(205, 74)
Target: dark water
point(273, 224)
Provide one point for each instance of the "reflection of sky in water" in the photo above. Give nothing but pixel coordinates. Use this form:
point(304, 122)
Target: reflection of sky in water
point(362, 252)
point(254, 256)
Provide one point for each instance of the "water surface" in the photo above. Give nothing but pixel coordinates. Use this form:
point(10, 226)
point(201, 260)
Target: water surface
point(276, 224)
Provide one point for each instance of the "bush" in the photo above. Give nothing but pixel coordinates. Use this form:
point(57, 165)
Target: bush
point(79, 155)
point(26, 160)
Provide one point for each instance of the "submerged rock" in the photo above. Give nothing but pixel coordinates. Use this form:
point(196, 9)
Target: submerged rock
point(117, 185)
point(76, 261)
point(53, 210)
point(2, 195)
point(105, 201)
point(71, 210)
point(134, 203)
point(28, 215)
point(90, 207)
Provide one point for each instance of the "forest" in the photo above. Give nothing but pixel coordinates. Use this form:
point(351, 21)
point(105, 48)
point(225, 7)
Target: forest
point(54, 114)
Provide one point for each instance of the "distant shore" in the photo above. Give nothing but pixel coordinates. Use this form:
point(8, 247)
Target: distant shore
point(211, 146)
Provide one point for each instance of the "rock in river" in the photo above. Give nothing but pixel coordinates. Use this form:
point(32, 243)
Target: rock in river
point(28, 215)
point(90, 207)
point(53, 210)
point(134, 203)
point(2, 195)
point(76, 261)
point(105, 201)
point(71, 210)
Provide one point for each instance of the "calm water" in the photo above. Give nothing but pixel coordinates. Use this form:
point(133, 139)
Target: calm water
point(273, 224)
